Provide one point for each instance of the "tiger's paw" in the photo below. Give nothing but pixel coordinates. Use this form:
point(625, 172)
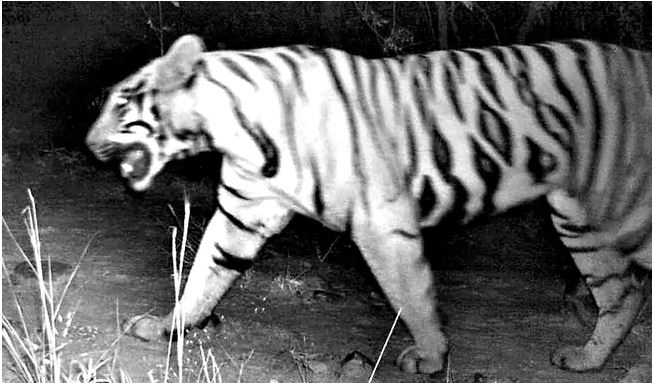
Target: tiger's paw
point(573, 358)
point(415, 360)
point(145, 327)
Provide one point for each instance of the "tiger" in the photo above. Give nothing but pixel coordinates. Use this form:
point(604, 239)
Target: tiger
point(381, 148)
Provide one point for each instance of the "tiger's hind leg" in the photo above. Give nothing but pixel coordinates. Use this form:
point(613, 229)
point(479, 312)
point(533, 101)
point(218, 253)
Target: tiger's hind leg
point(619, 297)
point(579, 298)
point(391, 243)
point(607, 270)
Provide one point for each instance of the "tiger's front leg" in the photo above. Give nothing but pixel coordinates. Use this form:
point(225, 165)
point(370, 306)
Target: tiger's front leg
point(391, 243)
point(228, 248)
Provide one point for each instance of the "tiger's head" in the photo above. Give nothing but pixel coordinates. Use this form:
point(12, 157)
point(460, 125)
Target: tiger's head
point(149, 119)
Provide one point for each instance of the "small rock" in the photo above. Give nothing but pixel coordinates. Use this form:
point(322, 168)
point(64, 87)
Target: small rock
point(356, 365)
point(319, 367)
point(640, 373)
point(23, 271)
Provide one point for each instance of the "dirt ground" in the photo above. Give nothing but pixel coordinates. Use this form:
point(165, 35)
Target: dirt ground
point(306, 304)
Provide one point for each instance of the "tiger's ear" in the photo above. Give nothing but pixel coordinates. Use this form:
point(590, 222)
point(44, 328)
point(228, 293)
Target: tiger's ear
point(178, 65)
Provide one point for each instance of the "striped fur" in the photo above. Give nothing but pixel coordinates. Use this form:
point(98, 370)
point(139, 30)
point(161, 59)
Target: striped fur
point(382, 148)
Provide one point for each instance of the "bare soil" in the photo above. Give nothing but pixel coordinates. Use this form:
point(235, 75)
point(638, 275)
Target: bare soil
point(306, 304)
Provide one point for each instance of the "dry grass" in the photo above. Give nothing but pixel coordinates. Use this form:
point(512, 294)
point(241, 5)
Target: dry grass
point(210, 369)
point(191, 233)
point(37, 353)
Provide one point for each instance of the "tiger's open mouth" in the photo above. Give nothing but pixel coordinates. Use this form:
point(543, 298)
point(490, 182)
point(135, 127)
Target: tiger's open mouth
point(135, 162)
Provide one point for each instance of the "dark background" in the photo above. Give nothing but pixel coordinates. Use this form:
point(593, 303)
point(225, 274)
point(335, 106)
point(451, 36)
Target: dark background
point(58, 58)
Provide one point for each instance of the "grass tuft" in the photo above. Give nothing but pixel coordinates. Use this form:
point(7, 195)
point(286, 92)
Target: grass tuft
point(36, 354)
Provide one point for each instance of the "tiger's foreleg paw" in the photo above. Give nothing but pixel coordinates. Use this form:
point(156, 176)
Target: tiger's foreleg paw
point(574, 358)
point(415, 360)
point(145, 327)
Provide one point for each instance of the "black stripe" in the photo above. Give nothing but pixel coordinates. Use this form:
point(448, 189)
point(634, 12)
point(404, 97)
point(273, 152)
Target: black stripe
point(634, 240)
point(287, 113)
point(598, 123)
point(297, 76)
point(497, 133)
point(300, 50)
point(530, 98)
point(428, 200)
point(411, 142)
point(259, 61)
point(291, 137)
point(611, 159)
point(540, 162)
point(442, 154)
point(374, 118)
point(356, 155)
point(420, 99)
point(231, 261)
point(235, 221)
point(261, 138)
point(442, 157)
point(138, 100)
point(573, 228)
point(268, 148)
point(318, 200)
point(456, 61)
point(486, 76)
point(235, 68)
point(524, 90)
point(614, 309)
point(562, 122)
point(457, 213)
point(498, 54)
point(234, 192)
point(618, 160)
point(539, 112)
point(130, 90)
point(426, 71)
point(523, 65)
point(451, 89)
point(548, 55)
point(360, 93)
point(398, 59)
point(594, 281)
point(489, 171)
point(392, 81)
point(374, 95)
point(553, 211)
point(643, 189)
point(258, 135)
point(570, 146)
point(569, 235)
point(154, 110)
point(406, 234)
